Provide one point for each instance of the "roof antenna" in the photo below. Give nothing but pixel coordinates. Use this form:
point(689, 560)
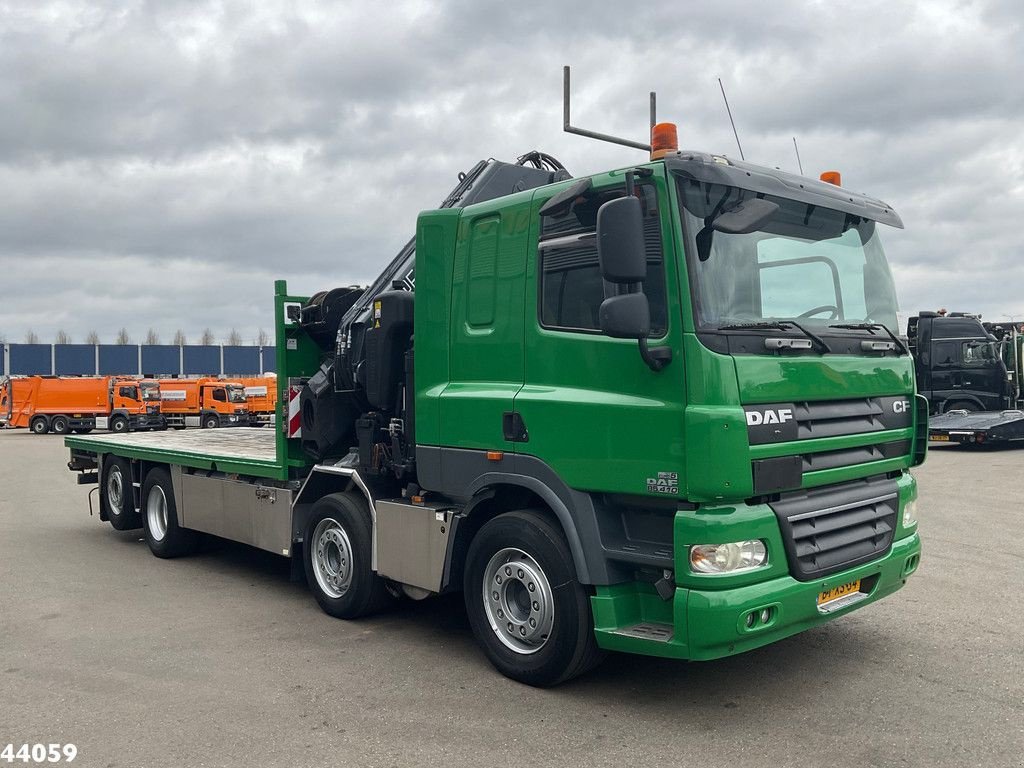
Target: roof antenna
point(729, 111)
point(569, 128)
point(798, 163)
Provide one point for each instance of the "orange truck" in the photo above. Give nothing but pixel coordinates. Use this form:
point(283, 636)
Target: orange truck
point(261, 396)
point(62, 404)
point(205, 402)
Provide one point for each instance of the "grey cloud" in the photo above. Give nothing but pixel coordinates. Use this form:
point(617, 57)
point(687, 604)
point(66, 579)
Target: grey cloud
point(211, 147)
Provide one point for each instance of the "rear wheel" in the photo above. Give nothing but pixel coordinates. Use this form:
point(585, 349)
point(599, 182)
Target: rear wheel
point(59, 425)
point(119, 424)
point(337, 558)
point(525, 605)
point(39, 425)
point(211, 421)
point(116, 496)
point(160, 518)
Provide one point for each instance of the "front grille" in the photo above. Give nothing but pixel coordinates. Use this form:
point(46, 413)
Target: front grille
point(806, 420)
point(846, 457)
point(829, 530)
point(833, 418)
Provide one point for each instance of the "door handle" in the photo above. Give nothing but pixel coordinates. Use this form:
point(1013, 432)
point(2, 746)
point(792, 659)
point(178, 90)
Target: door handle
point(514, 428)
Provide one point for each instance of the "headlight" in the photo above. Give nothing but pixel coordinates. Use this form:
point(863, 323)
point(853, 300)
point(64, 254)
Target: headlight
point(734, 557)
point(910, 514)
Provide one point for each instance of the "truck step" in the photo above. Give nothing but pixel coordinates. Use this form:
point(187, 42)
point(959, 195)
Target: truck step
point(661, 633)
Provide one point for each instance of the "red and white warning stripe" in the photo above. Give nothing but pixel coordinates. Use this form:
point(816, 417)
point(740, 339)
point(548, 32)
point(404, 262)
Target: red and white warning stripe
point(294, 422)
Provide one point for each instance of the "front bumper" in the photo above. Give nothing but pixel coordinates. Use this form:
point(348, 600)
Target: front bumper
point(235, 419)
point(146, 421)
point(711, 624)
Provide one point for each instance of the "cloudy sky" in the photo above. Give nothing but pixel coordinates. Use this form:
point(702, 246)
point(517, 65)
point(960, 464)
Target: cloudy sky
point(162, 162)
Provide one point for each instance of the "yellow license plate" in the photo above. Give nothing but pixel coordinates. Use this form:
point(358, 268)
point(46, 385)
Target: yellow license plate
point(836, 592)
point(940, 438)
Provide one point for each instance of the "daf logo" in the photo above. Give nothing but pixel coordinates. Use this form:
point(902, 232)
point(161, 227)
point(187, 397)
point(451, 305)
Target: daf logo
point(901, 406)
point(757, 418)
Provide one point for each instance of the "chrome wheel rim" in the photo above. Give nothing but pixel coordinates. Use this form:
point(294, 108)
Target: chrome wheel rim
point(518, 601)
point(115, 490)
point(157, 513)
point(332, 558)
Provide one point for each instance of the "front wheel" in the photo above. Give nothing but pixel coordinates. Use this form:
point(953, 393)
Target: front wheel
point(211, 421)
point(526, 607)
point(337, 557)
point(962, 405)
point(119, 424)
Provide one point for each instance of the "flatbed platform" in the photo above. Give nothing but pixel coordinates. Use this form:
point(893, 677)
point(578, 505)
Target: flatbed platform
point(977, 427)
point(246, 450)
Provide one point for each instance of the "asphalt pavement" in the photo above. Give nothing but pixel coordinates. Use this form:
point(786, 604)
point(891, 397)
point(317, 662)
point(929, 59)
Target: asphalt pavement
point(220, 660)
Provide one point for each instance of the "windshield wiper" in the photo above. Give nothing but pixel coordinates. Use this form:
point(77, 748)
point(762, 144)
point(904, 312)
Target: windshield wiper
point(780, 325)
point(873, 327)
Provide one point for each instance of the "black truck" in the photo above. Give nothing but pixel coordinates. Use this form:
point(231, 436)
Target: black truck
point(959, 363)
point(970, 371)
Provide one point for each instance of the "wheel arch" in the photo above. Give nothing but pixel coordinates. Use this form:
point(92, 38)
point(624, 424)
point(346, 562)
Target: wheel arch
point(949, 402)
point(495, 493)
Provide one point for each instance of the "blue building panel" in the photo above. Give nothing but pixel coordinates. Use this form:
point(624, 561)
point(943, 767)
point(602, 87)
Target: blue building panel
point(31, 359)
point(200, 360)
point(241, 361)
point(269, 359)
point(74, 359)
point(161, 360)
point(119, 360)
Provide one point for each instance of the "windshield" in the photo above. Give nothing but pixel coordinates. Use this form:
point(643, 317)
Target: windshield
point(814, 265)
point(150, 391)
point(236, 394)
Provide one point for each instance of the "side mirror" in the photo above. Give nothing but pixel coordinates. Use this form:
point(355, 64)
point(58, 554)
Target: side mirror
point(747, 217)
point(626, 316)
point(620, 241)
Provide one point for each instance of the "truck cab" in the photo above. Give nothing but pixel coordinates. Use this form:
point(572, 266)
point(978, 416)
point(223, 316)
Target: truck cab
point(227, 400)
point(959, 364)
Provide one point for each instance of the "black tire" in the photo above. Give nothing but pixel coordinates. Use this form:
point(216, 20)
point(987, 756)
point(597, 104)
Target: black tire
point(570, 647)
point(119, 424)
point(117, 497)
point(163, 535)
point(211, 421)
point(962, 405)
point(344, 586)
point(59, 425)
point(39, 425)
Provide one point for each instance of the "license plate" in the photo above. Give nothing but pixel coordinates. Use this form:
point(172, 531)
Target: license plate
point(940, 438)
point(837, 592)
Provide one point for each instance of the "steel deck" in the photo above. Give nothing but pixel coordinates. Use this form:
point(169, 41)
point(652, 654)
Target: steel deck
point(250, 450)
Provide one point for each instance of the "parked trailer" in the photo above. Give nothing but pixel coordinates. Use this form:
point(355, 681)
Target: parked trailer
point(626, 471)
point(80, 404)
point(205, 402)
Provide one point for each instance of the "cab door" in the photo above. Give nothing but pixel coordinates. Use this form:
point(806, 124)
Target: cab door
point(486, 328)
point(590, 408)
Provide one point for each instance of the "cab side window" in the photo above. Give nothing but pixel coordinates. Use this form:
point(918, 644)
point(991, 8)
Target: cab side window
point(944, 353)
point(977, 354)
point(220, 395)
point(128, 392)
point(571, 286)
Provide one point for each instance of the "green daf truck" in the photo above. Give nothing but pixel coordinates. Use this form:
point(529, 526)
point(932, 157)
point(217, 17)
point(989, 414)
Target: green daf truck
point(656, 410)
